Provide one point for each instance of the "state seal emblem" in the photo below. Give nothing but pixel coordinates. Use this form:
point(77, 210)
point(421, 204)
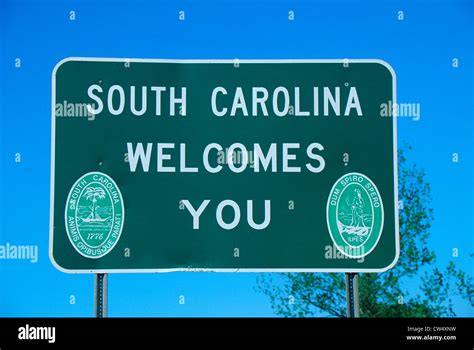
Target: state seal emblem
point(355, 215)
point(94, 215)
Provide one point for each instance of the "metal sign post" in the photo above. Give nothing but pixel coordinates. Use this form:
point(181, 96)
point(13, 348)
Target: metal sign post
point(100, 295)
point(352, 294)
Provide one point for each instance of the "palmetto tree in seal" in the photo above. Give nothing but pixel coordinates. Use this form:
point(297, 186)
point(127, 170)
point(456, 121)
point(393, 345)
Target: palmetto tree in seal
point(92, 194)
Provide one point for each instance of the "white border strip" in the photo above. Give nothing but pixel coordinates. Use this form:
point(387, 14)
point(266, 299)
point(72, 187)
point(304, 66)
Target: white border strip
point(227, 61)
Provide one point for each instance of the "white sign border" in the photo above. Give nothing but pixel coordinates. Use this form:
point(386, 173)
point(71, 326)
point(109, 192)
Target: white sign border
point(224, 61)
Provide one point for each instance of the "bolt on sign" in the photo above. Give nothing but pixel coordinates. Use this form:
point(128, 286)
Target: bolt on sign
point(223, 165)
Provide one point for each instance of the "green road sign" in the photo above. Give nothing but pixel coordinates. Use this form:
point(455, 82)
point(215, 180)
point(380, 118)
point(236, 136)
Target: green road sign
point(223, 165)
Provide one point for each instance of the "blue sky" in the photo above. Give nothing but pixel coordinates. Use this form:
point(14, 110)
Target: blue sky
point(420, 48)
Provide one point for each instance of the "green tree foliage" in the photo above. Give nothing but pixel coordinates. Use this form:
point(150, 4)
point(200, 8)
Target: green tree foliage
point(382, 294)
